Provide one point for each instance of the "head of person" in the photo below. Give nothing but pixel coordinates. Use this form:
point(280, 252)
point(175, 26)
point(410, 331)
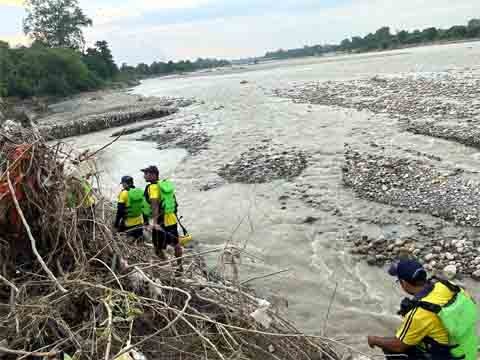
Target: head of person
point(410, 274)
point(151, 173)
point(127, 182)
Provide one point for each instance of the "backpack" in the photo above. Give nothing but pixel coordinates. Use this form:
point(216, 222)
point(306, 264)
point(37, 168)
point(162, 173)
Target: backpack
point(459, 316)
point(135, 203)
point(167, 194)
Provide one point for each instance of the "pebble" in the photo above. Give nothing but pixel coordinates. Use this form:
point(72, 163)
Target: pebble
point(476, 275)
point(429, 257)
point(450, 271)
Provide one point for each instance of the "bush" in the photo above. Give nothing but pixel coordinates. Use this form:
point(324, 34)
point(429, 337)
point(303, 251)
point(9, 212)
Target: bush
point(47, 71)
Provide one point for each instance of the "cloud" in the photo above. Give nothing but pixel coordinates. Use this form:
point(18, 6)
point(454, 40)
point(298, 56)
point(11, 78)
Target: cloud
point(16, 40)
point(11, 2)
point(134, 9)
point(237, 36)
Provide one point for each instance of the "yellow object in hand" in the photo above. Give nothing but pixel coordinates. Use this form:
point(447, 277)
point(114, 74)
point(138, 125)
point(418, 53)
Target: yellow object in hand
point(185, 240)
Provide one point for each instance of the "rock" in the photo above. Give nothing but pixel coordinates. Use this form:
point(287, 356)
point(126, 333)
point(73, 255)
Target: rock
point(429, 257)
point(372, 260)
point(399, 243)
point(450, 271)
point(310, 220)
point(449, 256)
point(271, 348)
point(380, 258)
point(476, 275)
point(243, 82)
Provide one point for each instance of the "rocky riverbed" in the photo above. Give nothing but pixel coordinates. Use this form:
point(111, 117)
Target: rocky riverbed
point(444, 105)
point(265, 163)
point(417, 184)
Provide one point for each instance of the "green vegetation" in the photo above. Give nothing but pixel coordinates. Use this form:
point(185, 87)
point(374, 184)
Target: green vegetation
point(57, 64)
point(383, 39)
point(165, 68)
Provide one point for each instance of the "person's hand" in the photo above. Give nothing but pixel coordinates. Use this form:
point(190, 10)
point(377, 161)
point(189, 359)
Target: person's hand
point(372, 341)
point(148, 227)
point(157, 227)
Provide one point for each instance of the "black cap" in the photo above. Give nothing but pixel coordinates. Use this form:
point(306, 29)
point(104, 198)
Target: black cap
point(151, 169)
point(127, 180)
point(408, 270)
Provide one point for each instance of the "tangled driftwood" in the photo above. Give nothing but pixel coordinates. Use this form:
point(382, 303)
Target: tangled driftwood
point(69, 285)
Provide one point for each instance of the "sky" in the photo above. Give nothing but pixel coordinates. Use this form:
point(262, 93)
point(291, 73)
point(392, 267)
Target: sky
point(149, 30)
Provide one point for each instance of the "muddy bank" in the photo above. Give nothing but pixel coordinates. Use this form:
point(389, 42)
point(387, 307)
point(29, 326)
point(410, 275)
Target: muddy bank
point(103, 121)
point(92, 112)
point(444, 104)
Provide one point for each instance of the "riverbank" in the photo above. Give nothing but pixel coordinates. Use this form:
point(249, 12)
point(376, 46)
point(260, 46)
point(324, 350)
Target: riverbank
point(90, 112)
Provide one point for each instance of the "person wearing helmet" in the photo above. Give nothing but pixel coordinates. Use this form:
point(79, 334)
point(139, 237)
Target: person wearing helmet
point(130, 204)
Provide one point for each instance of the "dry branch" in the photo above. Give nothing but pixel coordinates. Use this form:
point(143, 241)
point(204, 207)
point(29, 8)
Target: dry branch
point(140, 303)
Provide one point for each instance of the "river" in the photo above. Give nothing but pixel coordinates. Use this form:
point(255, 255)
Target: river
point(363, 299)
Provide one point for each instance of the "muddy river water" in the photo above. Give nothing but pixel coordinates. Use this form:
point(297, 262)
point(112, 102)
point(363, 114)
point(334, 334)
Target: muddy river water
point(269, 218)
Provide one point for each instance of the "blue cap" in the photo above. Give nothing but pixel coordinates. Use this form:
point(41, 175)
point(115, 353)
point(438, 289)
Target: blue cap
point(127, 180)
point(408, 270)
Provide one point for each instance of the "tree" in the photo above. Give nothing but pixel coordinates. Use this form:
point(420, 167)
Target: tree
point(402, 36)
point(473, 28)
point(5, 67)
point(56, 23)
point(46, 71)
point(346, 45)
point(457, 32)
point(357, 42)
point(100, 60)
point(430, 34)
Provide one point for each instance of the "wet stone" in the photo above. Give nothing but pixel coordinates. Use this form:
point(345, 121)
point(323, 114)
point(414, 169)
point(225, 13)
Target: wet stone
point(265, 163)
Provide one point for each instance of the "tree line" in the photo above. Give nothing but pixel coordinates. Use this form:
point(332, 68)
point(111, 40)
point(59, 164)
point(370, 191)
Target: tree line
point(383, 39)
point(58, 64)
point(165, 68)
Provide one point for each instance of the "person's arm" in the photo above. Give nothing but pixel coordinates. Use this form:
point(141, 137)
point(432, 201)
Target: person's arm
point(389, 344)
point(414, 328)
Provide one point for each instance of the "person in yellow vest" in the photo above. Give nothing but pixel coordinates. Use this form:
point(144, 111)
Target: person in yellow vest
point(439, 319)
point(161, 197)
point(130, 205)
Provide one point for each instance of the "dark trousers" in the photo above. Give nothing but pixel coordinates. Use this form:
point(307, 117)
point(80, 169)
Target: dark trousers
point(135, 232)
point(168, 235)
point(412, 354)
